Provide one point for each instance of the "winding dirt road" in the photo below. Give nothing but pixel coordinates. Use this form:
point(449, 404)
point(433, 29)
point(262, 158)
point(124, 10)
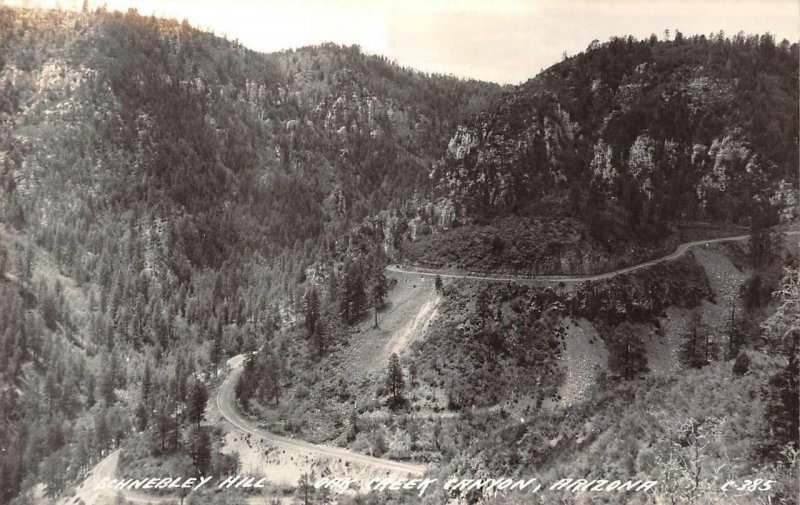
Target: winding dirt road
point(679, 251)
point(225, 400)
point(226, 403)
point(90, 493)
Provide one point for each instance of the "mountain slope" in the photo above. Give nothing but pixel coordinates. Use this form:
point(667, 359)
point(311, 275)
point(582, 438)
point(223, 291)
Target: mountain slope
point(612, 149)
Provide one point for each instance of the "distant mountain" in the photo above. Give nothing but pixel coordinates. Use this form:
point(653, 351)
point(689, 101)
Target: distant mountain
point(614, 147)
point(245, 149)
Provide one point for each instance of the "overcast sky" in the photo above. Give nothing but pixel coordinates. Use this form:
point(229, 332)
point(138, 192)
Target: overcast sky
point(503, 41)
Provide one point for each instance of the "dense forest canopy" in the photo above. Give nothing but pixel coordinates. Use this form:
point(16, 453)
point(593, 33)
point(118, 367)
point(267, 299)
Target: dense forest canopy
point(649, 134)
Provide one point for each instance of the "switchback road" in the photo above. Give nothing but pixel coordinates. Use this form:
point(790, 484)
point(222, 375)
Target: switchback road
point(226, 403)
point(90, 493)
point(225, 400)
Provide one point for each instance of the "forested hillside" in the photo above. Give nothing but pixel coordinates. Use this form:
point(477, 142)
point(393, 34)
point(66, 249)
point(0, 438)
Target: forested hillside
point(606, 155)
point(163, 192)
point(676, 372)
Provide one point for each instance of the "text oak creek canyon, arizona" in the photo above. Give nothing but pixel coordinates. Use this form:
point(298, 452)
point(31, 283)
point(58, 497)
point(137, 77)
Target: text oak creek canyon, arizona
point(386, 484)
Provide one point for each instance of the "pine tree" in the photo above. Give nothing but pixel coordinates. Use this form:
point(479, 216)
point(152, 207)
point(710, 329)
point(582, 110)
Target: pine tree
point(107, 387)
point(319, 340)
point(352, 296)
point(141, 417)
point(482, 309)
point(25, 262)
point(196, 403)
point(753, 291)
point(627, 356)
point(311, 308)
point(358, 295)
point(247, 382)
point(101, 431)
point(351, 435)
point(3, 261)
point(90, 387)
point(394, 381)
point(163, 425)
point(761, 243)
point(692, 347)
point(345, 295)
point(305, 488)
point(215, 352)
point(147, 383)
point(378, 292)
point(269, 382)
point(736, 335)
point(200, 449)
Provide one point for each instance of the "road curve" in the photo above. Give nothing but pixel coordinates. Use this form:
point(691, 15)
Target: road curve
point(679, 251)
point(226, 404)
point(89, 492)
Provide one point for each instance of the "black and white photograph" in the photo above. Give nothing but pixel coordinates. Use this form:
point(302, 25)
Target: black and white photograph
point(367, 252)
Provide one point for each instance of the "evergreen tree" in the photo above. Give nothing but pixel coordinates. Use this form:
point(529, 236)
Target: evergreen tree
point(319, 340)
point(345, 295)
point(90, 387)
point(482, 308)
point(196, 403)
point(305, 488)
point(141, 417)
point(761, 240)
point(351, 435)
point(627, 357)
point(311, 311)
point(394, 381)
point(107, 387)
point(102, 433)
point(753, 291)
point(378, 291)
point(268, 388)
point(736, 335)
point(3, 261)
point(25, 264)
point(163, 426)
point(352, 298)
point(147, 383)
point(742, 364)
point(247, 383)
point(200, 449)
point(268, 371)
point(693, 344)
point(215, 352)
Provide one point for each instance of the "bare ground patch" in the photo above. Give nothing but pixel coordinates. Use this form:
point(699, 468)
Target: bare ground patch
point(411, 306)
point(584, 355)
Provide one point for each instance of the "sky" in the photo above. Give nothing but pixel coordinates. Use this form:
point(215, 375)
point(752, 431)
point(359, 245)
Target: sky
point(504, 41)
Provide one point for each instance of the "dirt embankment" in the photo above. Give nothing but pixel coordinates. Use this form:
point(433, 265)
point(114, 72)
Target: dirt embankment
point(411, 305)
